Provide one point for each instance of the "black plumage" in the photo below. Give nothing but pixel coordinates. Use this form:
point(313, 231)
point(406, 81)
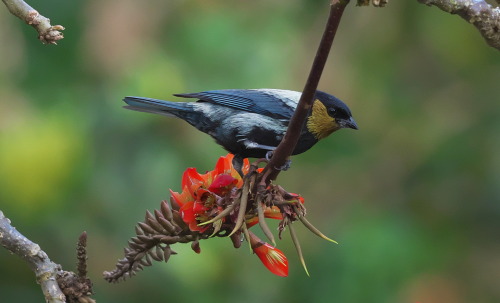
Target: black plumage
point(251, 122)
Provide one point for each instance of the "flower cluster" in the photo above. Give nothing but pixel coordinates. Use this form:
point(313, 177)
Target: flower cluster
point(201, 193)
point(219, 203)
point(204, 196)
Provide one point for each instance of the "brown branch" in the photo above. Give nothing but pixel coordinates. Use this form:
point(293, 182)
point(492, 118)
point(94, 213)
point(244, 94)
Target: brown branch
point(482, 15)
point(77, 286)
point(47, 33)
point(45, 270)
point(287, 145)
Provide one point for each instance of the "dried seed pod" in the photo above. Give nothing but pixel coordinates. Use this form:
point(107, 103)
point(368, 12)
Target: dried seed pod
point(169, 227)
point(136, 240)
point(158, 214)
point(146, 228)
point(159, 252)
point(139, 256)
point(149, 215)
point(144, 239)
point(167, 252)
point(156, 226)
point(195, 246)
point(167, 240)
point(138, 230)
point(152, 254)
point(135, 246)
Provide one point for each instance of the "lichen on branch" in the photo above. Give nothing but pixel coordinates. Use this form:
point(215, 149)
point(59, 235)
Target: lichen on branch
point(58, 286)
point(45, 270)
point(47, 33)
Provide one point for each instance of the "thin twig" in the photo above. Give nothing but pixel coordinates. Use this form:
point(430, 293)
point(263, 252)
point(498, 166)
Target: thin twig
point(287, 145)
point(47, 33)
point(45, 270)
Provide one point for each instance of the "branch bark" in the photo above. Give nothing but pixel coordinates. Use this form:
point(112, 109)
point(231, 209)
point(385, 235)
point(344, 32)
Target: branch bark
point(47, 33)
point(45, 270)
point(482, 15)
point(287, 145)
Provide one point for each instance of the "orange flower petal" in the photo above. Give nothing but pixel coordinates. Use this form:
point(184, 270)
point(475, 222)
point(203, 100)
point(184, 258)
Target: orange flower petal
point(187, 212)
point(246, 166)
point(192, 179)
point(298, 197)
point(273, 213)
point(224, 165)
point(252, 221)
point(181, 198)
point(272, 258)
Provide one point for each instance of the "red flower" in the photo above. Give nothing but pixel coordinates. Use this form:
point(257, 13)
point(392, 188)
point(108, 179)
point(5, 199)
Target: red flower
point(200, 201)
point(200, 192)
point(269, 212)
point(272, 258)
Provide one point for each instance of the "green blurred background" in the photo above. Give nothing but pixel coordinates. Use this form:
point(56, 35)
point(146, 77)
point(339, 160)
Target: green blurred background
point(413, 197)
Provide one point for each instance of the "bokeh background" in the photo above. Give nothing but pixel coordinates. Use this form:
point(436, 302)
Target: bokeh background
point(413, 197)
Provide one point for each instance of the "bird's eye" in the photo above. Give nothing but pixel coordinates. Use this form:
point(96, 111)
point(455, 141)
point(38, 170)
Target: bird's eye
point(331, 111)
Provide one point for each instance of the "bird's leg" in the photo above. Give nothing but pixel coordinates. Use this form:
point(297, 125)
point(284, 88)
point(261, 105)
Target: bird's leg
point(269, 155)
point(238, 164)
point(254, 145)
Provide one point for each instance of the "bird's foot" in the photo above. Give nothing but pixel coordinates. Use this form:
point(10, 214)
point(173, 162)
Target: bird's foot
point(238, 165)
point(286, 166)
point(269, 155)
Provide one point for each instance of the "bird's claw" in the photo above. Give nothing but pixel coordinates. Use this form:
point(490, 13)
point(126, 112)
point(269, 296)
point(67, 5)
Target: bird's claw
point(269, 155)
point(286, 166)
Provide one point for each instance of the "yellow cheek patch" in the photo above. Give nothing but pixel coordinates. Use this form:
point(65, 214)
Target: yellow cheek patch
point(319, 123)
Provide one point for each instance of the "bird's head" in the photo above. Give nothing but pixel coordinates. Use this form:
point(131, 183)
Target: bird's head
point(327, 115)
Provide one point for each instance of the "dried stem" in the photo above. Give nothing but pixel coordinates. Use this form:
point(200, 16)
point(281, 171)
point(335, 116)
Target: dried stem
point(296, 242)
point(311, 227)
point(246, 233)
point(45, 270)
point(262, 220)
point(287, 145)
point(243, 206)
point(81, 255)
point(77, 287)
point(47, 33)
point(222, 214)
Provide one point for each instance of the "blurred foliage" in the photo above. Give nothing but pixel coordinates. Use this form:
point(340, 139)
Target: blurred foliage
point(413, 197)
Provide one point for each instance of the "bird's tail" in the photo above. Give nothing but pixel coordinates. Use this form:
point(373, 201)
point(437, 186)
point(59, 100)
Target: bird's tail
point(156, 106)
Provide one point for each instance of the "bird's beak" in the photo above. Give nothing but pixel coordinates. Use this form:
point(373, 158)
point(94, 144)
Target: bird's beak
point(348, 123)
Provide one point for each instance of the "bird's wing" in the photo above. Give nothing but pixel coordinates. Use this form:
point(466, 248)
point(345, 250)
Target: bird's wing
point(278, 104)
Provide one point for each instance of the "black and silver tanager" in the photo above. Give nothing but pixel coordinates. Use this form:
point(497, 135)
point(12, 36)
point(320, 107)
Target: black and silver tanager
point(252, 122)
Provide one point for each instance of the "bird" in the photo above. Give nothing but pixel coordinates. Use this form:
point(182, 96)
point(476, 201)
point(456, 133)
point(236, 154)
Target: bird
point(250, 123)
